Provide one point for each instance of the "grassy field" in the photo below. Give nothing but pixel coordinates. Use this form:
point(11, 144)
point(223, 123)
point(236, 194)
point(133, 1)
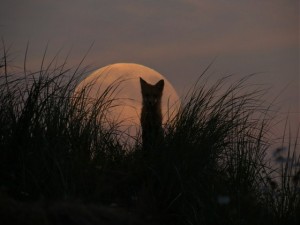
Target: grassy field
point(61, 163)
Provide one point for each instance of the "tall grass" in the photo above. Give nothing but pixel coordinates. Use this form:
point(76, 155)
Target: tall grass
point(283, 193)
point(211, 169)
point(48, 136)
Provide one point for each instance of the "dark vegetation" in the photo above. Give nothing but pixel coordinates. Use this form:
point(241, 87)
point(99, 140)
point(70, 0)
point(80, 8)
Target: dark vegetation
point(61, 163)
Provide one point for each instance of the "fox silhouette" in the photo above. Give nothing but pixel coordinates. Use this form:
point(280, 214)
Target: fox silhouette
point(151, 115)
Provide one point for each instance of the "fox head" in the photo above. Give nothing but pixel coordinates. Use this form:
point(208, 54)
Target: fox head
point(151, 93)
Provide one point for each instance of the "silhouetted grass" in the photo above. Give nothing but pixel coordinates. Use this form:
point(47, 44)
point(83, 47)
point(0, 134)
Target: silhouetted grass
point(282, 195)
point(48, 137)
point(57, 148)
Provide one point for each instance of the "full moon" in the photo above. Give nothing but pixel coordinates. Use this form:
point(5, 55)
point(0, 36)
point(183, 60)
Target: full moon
point(127, 97)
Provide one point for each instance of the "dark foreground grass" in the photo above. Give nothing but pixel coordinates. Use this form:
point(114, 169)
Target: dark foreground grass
point(63, 163)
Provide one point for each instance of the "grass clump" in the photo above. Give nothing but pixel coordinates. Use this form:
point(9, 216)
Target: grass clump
point(211, 169)
point(48, 137)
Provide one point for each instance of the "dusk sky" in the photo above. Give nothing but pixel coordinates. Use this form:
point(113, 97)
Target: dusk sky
point(178, 38)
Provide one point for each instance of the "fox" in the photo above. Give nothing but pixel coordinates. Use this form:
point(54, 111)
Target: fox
point(151, 114)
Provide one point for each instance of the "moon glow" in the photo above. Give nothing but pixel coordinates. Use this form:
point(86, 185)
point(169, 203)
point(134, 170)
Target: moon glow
point(127, 96)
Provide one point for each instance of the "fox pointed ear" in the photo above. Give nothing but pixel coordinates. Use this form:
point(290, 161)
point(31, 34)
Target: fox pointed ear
point(160, 85)
point(143, 83)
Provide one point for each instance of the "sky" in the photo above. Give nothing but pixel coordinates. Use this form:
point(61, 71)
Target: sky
point(178, 38)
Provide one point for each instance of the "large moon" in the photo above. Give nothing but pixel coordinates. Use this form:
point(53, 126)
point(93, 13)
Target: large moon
point(127, 96)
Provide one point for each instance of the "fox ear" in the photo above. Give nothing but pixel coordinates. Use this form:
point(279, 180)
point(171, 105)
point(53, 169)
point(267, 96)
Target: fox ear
point(143, 83)
point(160, 85)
